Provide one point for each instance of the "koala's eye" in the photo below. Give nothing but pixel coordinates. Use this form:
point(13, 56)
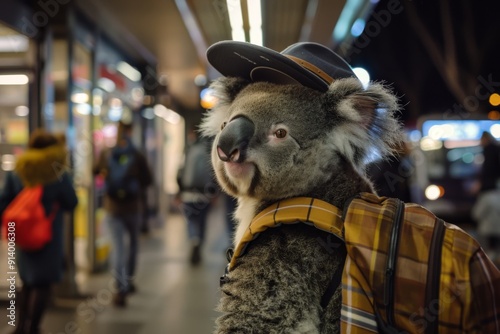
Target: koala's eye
point(280, 133)
point(223, 125)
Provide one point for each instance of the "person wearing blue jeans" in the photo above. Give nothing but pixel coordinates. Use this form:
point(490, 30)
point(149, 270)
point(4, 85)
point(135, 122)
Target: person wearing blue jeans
point(124, 232)
point(126, 175)
point(197, 190)
point(196, 213)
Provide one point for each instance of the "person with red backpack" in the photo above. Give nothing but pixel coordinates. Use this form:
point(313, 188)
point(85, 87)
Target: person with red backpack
point(33, 199)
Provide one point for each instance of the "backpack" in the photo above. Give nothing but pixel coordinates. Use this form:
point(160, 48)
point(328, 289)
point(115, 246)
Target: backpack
point(25, 222)
point(120, 184)
point(197, 172)
point(406, 271)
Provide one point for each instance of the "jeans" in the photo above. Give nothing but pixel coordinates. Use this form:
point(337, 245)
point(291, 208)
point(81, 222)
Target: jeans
point(196, 216)
point(125, 238)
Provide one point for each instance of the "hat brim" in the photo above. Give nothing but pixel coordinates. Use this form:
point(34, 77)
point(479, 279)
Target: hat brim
point(257, 63)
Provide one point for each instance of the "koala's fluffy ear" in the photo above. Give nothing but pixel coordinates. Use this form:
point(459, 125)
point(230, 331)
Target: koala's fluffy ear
point(225, 90)
point(371, 125)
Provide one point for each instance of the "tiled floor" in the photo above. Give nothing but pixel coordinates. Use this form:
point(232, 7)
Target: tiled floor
point(173, 297)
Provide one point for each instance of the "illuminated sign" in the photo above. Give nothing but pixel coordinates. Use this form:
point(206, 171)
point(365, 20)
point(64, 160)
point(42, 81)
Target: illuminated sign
point(459, 129)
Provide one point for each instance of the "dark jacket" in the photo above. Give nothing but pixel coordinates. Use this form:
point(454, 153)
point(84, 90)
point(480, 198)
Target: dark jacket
point(36, 166)
point(139, 170)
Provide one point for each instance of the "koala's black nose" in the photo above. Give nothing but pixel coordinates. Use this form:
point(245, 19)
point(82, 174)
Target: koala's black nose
point(234, 139)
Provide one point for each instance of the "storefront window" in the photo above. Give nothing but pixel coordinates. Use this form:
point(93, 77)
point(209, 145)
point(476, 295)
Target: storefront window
point(15, 53)
point(117, 96)
point(16, 57)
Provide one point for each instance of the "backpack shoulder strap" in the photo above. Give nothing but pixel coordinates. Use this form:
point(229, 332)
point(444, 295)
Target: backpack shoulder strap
point(318, 213)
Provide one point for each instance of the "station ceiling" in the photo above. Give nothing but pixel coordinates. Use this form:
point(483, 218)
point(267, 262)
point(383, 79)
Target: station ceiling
point(176, 33)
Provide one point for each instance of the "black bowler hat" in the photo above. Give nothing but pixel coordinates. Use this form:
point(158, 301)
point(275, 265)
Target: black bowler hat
point(309, 64)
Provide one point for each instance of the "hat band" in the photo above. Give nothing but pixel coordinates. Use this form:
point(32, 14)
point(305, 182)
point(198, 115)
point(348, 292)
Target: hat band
point(328, 79)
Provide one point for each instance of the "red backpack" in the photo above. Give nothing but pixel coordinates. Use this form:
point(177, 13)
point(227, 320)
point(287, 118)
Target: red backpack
point(24, 221)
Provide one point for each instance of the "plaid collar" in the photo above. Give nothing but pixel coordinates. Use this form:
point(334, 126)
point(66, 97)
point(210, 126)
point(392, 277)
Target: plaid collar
point(312, 211)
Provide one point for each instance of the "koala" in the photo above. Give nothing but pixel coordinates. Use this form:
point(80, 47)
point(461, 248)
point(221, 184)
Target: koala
point(278, 140)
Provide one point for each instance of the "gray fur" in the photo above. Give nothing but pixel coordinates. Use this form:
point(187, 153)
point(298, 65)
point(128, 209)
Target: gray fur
point(277, 286)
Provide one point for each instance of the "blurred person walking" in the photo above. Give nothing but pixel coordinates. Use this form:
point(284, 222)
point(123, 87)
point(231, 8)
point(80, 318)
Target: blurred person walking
point(127, 175)
point(197, 190)
point(486, 210)
point(39, 269)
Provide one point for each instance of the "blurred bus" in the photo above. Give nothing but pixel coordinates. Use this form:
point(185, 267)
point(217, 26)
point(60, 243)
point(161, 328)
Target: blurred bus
point(450, 162)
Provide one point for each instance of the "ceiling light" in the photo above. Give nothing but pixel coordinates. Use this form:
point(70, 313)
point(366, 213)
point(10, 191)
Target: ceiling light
point(349, 13)
point(362, 75)
point(255, 18)
point(128, 71)
point(358, 27)
point(236, 20)
point(21, 111)
point(14, 43)
point(14, 79)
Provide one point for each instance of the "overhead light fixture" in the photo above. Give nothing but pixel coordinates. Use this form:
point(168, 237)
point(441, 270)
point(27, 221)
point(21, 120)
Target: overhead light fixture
point(14, 79)
point(348, 15)
point(236, 20)
point(358, 27)
point(362, 75)
point(14, 43)
point(21, 111)
point(255, 18)
point(128, 71)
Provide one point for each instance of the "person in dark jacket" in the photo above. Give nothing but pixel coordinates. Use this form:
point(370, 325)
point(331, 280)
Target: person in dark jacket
point(40, 269)
point(490, 171)
point(197, 191)
point(123, 215)
point(486, 210)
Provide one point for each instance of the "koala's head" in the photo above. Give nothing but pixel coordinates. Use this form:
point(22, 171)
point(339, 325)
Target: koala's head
point(280, 140)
